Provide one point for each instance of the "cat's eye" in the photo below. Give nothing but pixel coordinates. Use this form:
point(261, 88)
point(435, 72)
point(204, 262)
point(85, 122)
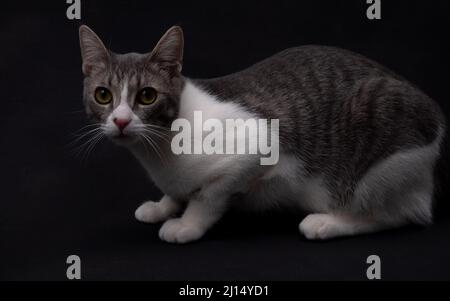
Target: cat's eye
point(103, 96)
point(146, 96)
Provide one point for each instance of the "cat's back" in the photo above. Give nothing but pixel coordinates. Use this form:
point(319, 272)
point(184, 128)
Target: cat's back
point(323, 60)
point(310, 68)
point(321, 82)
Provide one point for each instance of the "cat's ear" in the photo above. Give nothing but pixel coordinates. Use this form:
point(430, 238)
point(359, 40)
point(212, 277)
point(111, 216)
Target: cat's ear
point(168, 53)
point(93, 52)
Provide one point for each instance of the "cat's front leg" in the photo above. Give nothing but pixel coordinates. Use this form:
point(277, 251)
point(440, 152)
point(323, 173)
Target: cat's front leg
point(203, 210)
point(156, 212)
point(200, 215)
point(210, 203)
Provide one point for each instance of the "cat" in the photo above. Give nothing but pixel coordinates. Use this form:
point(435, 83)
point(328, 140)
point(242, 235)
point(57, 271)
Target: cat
point(358, 143)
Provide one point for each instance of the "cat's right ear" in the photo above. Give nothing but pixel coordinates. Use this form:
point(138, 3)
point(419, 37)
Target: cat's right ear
point(93, 52)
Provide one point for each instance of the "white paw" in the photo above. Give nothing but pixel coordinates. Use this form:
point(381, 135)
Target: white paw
point(320, 226)
point(175, 231)
point(150, 212)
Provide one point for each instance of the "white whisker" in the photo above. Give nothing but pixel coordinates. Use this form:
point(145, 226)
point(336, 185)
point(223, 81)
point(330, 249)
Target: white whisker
point(159, 135)
point(155, 147)
point(93, 136)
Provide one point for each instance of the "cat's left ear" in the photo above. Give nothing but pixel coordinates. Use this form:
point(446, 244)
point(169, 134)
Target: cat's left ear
point(168, 53)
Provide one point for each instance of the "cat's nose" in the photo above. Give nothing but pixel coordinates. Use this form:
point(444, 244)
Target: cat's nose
point(121, 123)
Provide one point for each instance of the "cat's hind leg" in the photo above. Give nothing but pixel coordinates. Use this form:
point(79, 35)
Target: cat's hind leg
point(321, 226)
point(156, 212)
point(395, 192)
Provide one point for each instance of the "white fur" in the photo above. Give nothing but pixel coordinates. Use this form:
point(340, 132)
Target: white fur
point(124, 92)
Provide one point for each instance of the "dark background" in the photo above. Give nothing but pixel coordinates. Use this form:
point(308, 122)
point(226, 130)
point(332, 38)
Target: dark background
point(54, 203)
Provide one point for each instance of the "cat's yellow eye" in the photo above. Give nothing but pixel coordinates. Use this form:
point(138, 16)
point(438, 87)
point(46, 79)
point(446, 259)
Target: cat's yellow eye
point(147, 96)
point(103, 96)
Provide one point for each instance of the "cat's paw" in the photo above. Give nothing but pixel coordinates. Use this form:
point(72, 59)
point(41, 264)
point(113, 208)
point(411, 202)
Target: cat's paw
point(175, 231)
point(320, 227)
point(150, 212)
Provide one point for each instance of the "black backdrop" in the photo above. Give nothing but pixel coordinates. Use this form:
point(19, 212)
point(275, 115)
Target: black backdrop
point(53, 204)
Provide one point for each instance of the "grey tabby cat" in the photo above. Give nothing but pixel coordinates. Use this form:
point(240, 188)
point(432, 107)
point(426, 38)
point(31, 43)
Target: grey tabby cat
point(358, 143)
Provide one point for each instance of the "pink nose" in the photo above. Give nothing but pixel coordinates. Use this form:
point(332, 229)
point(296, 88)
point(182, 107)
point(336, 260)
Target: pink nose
point(121, 123)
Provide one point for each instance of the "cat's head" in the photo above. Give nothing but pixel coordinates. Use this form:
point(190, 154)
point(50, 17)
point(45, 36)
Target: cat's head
point(131, 95)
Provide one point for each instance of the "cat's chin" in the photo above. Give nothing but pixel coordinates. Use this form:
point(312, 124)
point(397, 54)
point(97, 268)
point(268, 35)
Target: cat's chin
point(124, 140)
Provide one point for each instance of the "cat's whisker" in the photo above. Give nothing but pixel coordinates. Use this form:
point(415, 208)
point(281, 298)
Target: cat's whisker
point(158, 134)
point(73, 144)
point(162, 130)
point(85, 131)
point(155, 147)
point(149, 142)
point(92, 145)
point(84, 135)
point(144, 144)
point(88, 126)
point(86, 147)
point(79, 149)
point(158, 127)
